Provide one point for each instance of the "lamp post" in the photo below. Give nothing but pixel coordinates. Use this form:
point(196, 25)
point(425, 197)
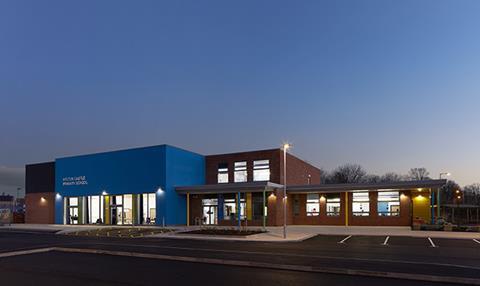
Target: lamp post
point(286, 146)
point(438, 193)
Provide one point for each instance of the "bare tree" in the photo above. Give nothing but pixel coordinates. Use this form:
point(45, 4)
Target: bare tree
point(371, 178)
point(348, 173)
point(392, 177)
point(449, 192)
point(418, 174)
point(471, 194)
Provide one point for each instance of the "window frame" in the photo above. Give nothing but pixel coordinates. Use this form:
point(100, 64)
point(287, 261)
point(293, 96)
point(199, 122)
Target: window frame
point(312, 200)
point(222, 172)
point(333, 200)
point(387, 200)
point(259, 168)
point(240, 168)
point(362, 202)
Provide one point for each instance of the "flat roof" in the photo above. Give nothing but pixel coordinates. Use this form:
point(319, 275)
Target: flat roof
point(228, 188)
point(403, 185)
point(321, 188)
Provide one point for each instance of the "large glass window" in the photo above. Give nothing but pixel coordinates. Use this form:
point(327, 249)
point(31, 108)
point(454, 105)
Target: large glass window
point(148, 208)
point(230, 209)
point(128, 209)
point(388, 204)
point(222, 176)
point(261, 170)
point(313, 204)
point(95, 210)
point(240, 174)
point(360, 204)
point(333, 205)
point(72, 210)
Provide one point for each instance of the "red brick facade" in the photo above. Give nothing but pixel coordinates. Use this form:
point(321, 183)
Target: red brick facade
point(299, 172)
point(40, 208)
point(301, 218)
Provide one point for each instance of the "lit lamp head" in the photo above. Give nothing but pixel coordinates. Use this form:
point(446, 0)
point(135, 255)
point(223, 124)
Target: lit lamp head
point(286, 146)
point(104, 193)
point(160, 191)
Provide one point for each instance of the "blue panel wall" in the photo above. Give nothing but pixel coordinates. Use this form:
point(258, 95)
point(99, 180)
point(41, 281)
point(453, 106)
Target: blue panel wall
point(183, 168)
point(133, 171)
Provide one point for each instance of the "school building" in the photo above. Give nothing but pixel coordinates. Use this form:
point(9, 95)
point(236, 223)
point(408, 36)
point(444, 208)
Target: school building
point(166, 185)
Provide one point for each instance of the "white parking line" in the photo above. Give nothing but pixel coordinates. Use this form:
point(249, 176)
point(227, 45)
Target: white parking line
point(386, 240)
point(345, 239)
point(431, 242)
point(476, 240)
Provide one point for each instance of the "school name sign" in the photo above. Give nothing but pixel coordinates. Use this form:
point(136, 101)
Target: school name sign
point(74, 181)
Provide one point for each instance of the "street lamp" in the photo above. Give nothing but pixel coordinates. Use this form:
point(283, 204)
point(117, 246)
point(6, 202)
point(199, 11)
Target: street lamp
point(286, 146)
point(447, 174)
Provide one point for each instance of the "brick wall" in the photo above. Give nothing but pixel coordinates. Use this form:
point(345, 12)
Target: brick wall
point(38, 210)
point(212, 162)
point(299, 172)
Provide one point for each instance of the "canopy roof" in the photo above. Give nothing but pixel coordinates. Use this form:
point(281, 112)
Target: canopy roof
point(228, 188)
point(321, 188)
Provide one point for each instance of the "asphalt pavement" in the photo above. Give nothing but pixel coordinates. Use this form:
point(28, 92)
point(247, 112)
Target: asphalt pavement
point(360, 255)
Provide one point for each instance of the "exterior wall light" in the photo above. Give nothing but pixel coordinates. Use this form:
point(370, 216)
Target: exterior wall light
point(43, 200)
point(58, 196)
point(160, 191)
point(104, 193)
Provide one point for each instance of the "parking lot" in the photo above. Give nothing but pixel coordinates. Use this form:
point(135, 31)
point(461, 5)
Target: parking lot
point(397, 241)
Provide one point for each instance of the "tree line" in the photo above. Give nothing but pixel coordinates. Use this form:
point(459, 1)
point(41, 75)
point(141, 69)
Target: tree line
point(354, 173)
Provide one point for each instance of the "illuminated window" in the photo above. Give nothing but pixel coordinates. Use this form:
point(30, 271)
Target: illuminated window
point(333, 205)
point(388, 204)
point(313, 204)
point(360, 204)
point(261, 170)
point(240, 174)
point(95, 209)
point(222, 176)
point(230, 209)
point(149, 208)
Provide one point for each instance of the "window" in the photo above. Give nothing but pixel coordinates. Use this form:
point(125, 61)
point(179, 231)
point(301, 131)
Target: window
point(388, 204)
point(313, 204)
point(149, 208)
point(230, 209)
point(261, 170)
point(128, 209)
point(95, 209)
point(222, 176)
point(360, 204)
point(240, 174)
point(333, 205)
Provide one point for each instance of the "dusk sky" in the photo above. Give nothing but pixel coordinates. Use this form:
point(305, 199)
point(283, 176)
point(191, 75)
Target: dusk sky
point(389, 85)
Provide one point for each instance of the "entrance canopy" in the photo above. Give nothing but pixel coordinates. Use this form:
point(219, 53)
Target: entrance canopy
point(305, 189)
point(229, 188)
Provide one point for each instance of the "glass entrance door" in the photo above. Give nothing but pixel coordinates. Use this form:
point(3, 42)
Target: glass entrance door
point(116, 212)
point(210, 214)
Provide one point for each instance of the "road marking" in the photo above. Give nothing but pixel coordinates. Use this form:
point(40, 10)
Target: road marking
point(289, 267)
point(345, 239)
point(386, 240)
point(431, 242)
point(25, 252)
point(477, 241)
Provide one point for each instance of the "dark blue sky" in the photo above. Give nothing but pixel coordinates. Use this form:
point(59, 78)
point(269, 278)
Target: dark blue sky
point(386, 84)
